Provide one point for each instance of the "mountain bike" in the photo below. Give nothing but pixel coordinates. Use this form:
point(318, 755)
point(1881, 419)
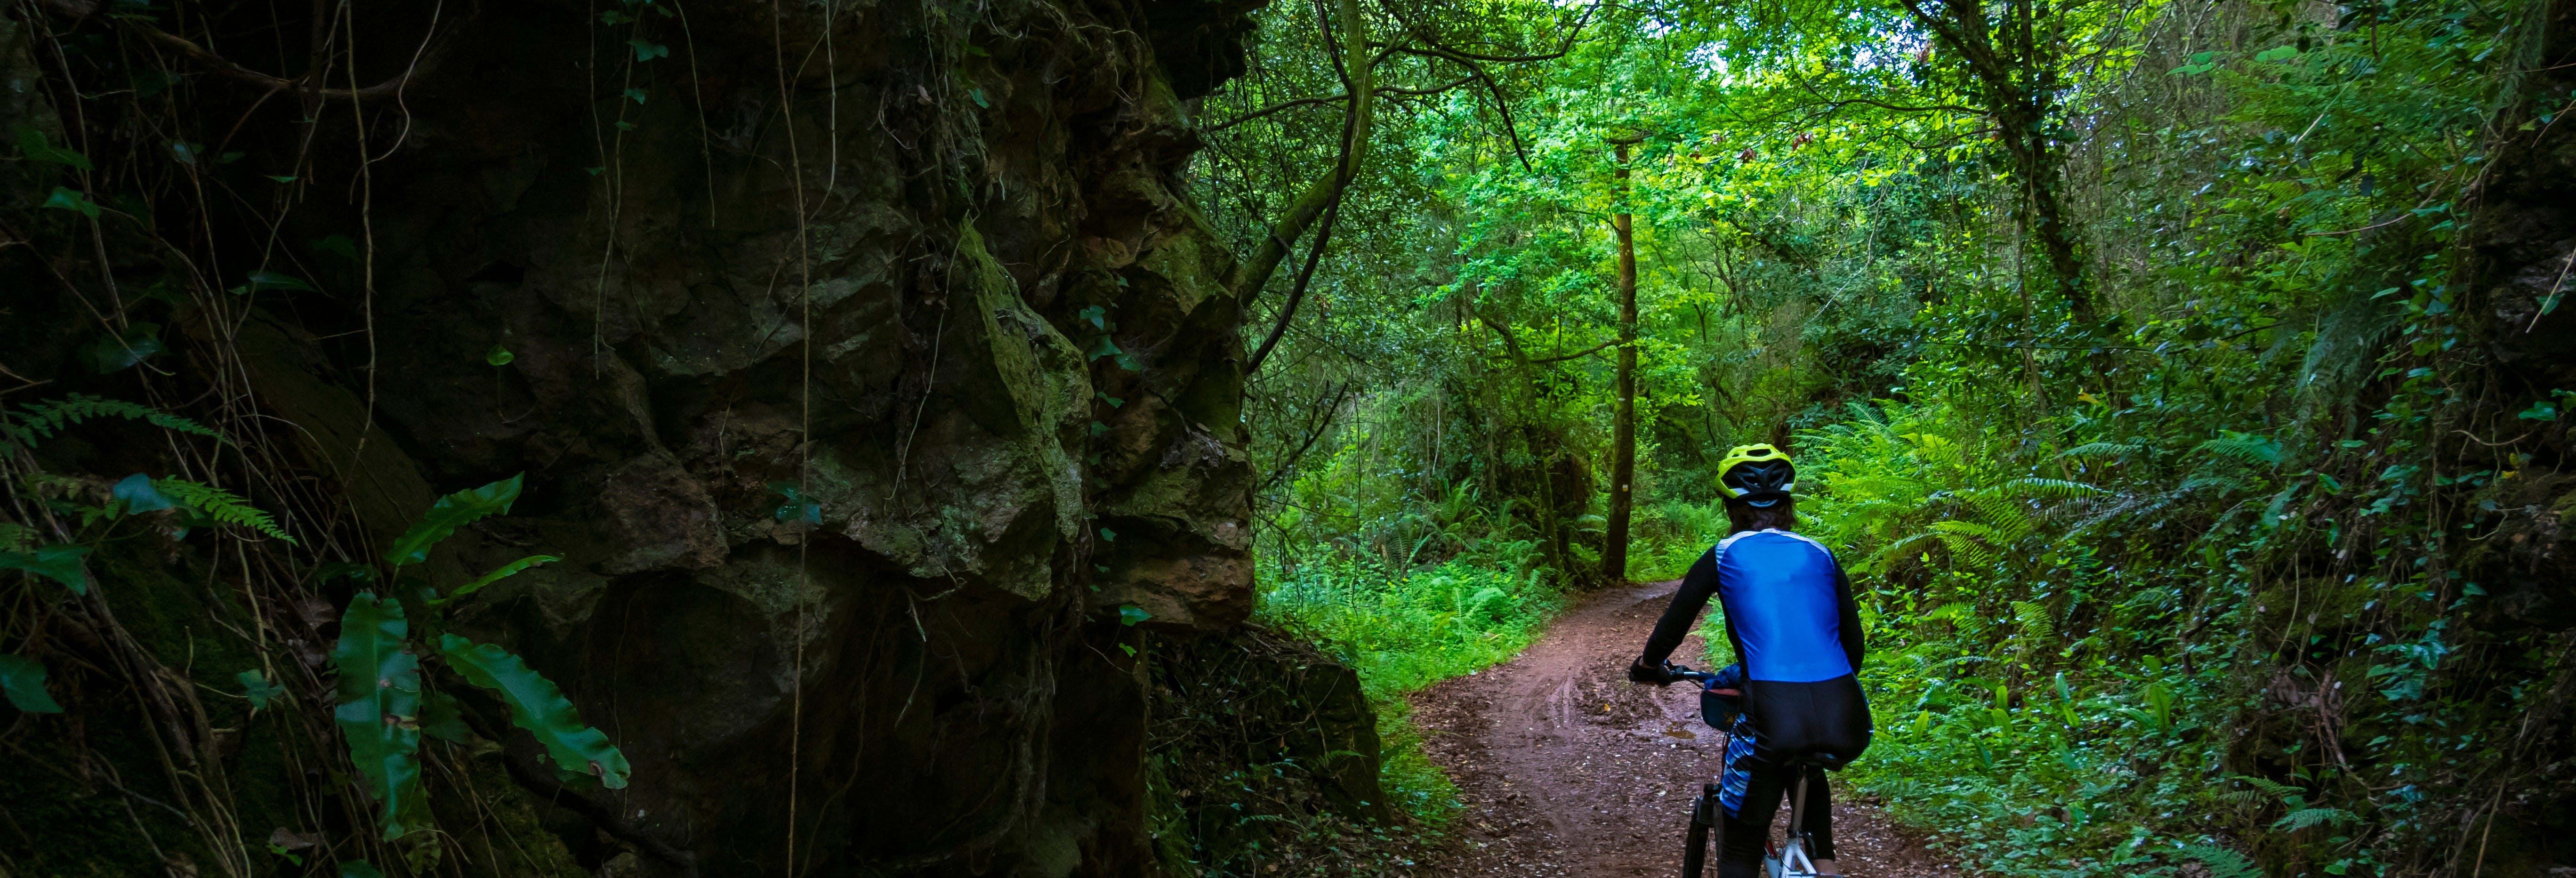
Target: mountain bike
point(1785, 860)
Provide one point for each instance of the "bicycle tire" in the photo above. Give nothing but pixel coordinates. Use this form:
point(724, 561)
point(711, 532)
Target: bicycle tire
point(1703, 818)
point(1695, 857)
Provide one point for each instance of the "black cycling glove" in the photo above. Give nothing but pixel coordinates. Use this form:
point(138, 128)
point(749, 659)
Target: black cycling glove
point(1640, 672)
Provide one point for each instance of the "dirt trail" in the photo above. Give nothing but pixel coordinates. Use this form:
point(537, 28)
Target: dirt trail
point(1568, 769)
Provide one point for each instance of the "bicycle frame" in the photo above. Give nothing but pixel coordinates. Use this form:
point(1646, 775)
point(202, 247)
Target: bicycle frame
point(1790, 860)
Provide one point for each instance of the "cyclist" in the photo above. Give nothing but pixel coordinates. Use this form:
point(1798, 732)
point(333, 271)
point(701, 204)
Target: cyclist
point(1790, 617)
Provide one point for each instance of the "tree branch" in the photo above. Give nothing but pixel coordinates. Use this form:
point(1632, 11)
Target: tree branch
point(223, 67)
point(1359, 79)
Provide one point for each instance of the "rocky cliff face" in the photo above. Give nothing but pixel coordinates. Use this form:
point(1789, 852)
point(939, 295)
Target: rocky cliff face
point(866, 363)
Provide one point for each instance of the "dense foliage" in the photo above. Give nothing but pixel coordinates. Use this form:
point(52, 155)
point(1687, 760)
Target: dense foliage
point(2141, 358)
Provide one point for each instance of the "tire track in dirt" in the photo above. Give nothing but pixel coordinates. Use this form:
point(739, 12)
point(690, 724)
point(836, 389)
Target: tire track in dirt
point(1566, 768)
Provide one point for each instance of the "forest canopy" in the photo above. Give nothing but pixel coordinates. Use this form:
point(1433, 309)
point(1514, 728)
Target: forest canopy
point(2167, 372)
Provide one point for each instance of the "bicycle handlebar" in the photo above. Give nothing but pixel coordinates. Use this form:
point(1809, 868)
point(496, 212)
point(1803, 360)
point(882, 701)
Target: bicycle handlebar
point(1704, 678)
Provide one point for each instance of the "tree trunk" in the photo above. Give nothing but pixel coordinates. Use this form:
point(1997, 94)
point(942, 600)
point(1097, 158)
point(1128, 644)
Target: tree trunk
point(1623, 423)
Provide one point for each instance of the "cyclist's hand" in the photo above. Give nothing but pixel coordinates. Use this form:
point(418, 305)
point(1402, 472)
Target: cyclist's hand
point(1639, 671)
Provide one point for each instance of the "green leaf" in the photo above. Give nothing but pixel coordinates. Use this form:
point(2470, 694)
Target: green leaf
point(351, 569)
point(449, 513)
point(282, 178)
point(538, 706)
point(337, 245)
point(359, 869)
point(496, 576)
point(58, 562)
point(262, 691)
point(264, 279)
point(635, 94)
point(647, 51)
point(2540, 411)
point(441, 718)
point(1107, 535)
point(138, 495)
point(65, 199)
point(499, 356)
point(2281, 53)
point(1098, 316)
point(33, 144)
point(796, 507)
point(1130, 614)
point(23, 679)
point(379, 710)
point(108, 354)
point(978, 95)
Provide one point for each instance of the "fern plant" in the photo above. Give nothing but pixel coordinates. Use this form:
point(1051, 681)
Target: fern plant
point(2222, 863)
point(219, 506)
point(38, 421)
point(383, 708)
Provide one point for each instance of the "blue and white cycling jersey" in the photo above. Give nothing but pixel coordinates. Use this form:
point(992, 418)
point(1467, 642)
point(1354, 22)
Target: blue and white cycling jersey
point(1790, 617)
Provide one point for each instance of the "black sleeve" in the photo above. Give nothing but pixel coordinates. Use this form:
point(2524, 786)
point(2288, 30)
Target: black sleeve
point(1853, 647)
point(1697, 587)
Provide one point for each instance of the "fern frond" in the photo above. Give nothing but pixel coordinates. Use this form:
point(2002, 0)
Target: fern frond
point(2307, 817)
point(2052, 489)
point(2034, 620)
point(37, 421)
point(1953, 610)
point(222, 506)
point(2245, 448)
point(16, 537)
point(2222, 863)
point(2198, 482)
point(2275, 788)
point(2008, 518)
point(2101, 449)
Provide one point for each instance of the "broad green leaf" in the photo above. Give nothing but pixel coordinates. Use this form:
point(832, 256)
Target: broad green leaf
point(109, 353)
point(495, 576)
point(379, 710)
point(58, 562)
point(359, 869)
point(441, 718)
point(139, 495)
point(337, 245)
point(350, 569)
point(1131, 614)
point(34, 145)
point(23, 679)
point(66, 199)
point(499, 356)
point(538, 706)
point(449, 513)
point(262, 691)
point(273, 280)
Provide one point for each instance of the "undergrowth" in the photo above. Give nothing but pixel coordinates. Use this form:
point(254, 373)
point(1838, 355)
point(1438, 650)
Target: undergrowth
point(1404, 630)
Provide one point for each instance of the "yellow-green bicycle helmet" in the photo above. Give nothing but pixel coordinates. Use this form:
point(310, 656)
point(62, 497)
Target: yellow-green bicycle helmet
point(1756, 474)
